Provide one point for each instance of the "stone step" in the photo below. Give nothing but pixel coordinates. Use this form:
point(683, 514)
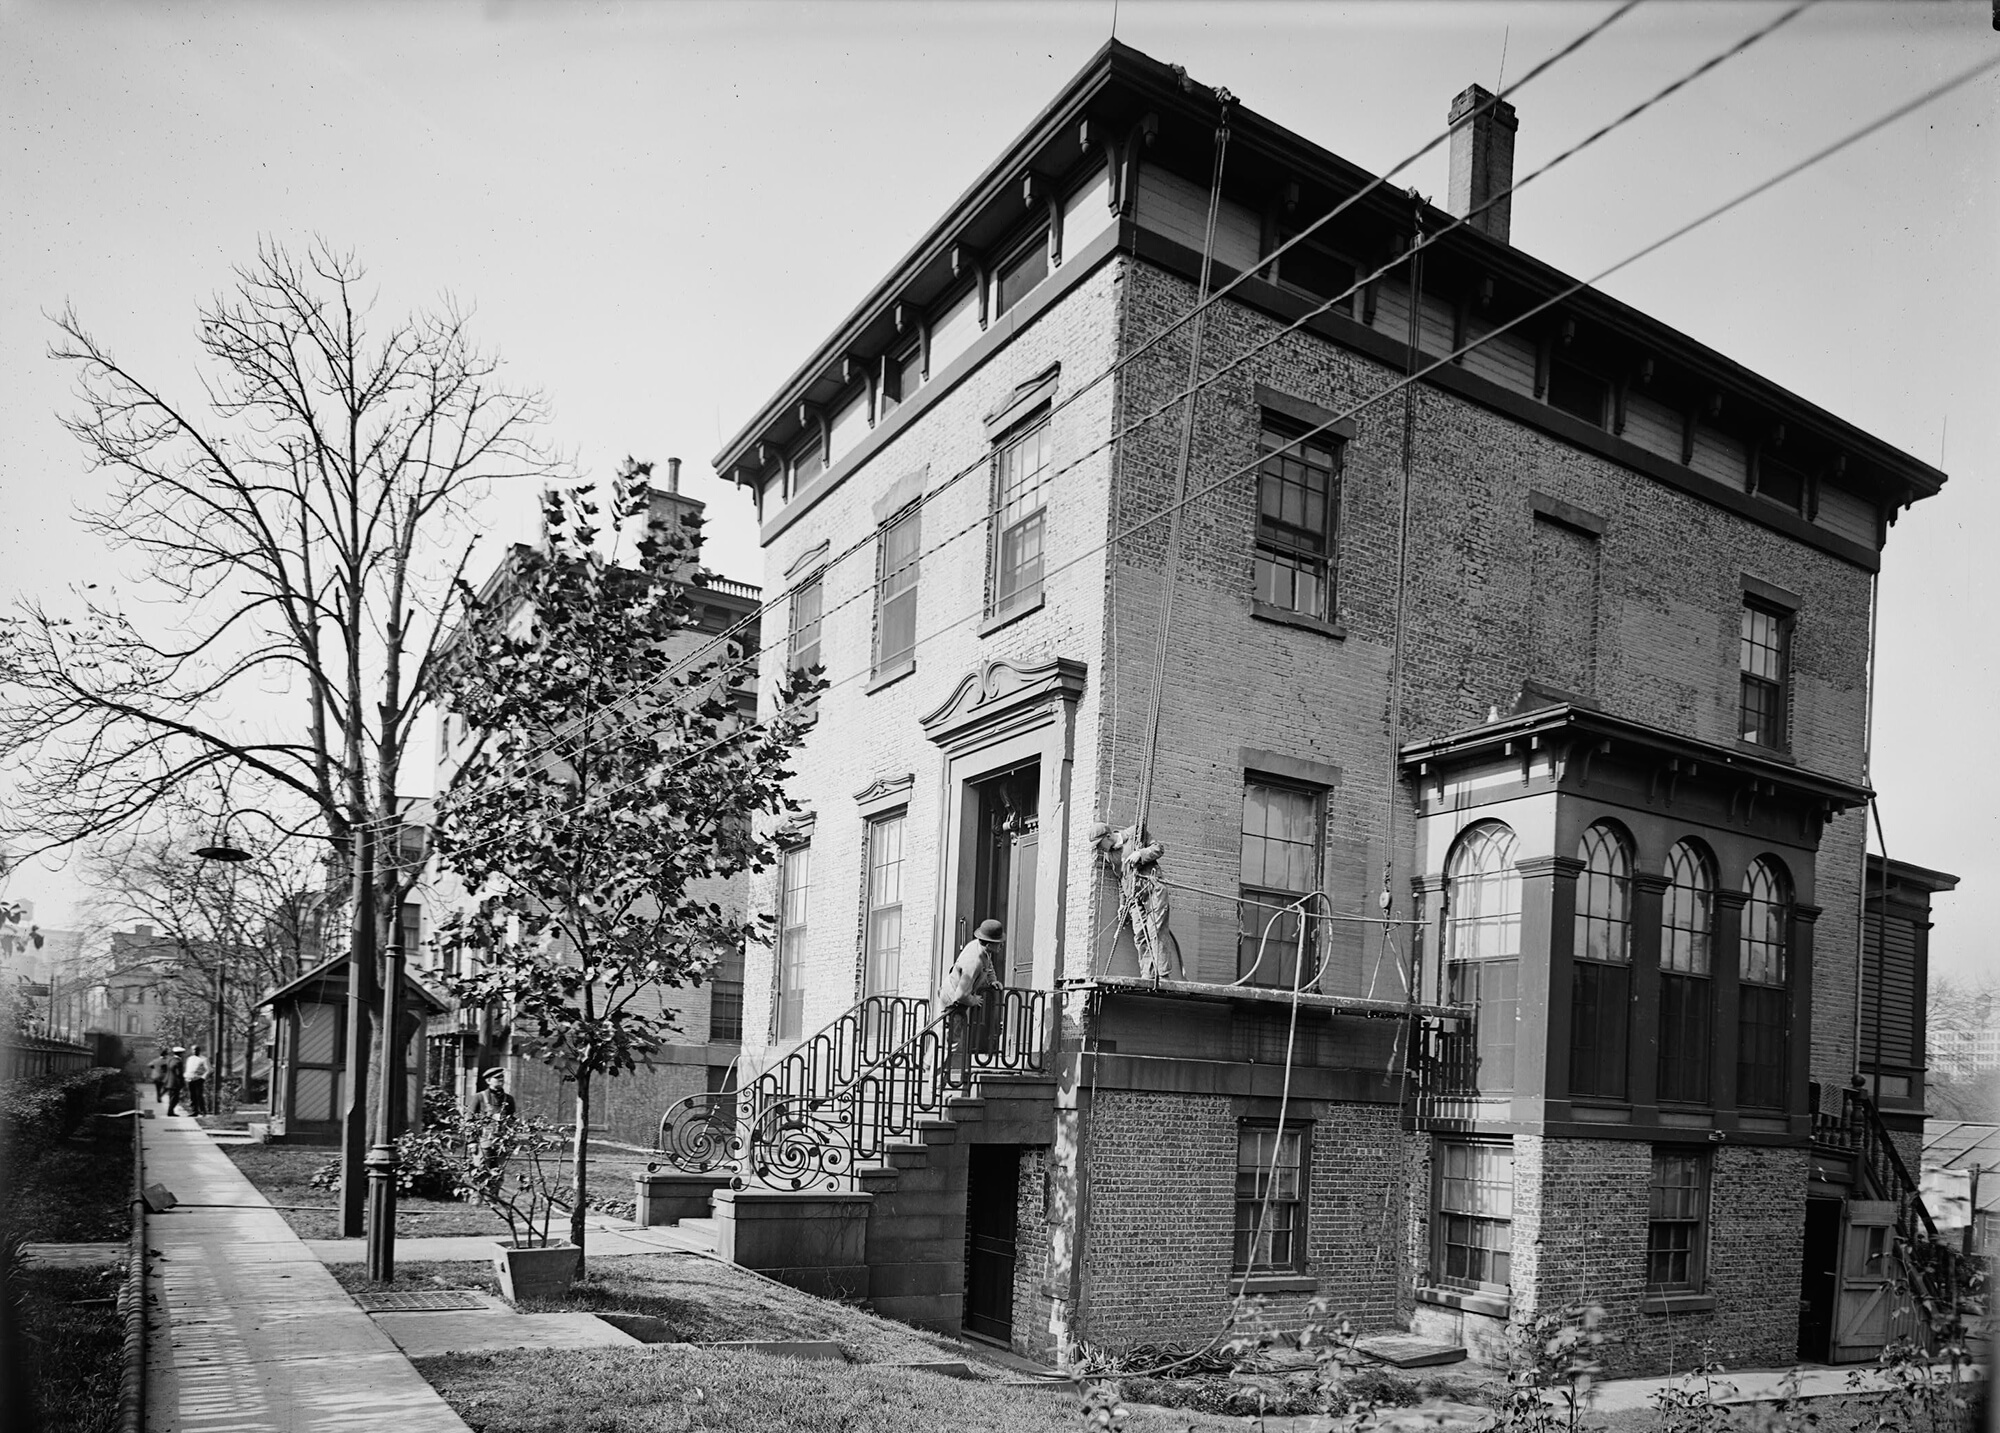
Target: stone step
point(965, 1109)
point(939, 1131)
point(906, 1156)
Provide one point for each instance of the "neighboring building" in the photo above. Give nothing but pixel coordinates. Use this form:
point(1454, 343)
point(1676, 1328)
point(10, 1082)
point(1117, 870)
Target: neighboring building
point(58, 988)
point(1564, 653)
point(709, 1016)
point(1962, 1184)
point(1967, 1047)
point(137, 1008)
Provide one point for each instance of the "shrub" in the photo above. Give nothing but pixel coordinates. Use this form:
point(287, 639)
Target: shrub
point(37, 1115)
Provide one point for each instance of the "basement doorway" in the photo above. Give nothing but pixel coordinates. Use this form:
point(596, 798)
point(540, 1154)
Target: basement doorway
point(993, 1180)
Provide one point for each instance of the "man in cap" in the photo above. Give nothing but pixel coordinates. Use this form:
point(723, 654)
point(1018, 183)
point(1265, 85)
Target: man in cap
point(964, 992)
point(492, 1108)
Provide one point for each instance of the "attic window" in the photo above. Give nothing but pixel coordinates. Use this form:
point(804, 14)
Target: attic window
point(1781, 483)
point(1020, 274)
point(1577, 392)
point(1313, 269)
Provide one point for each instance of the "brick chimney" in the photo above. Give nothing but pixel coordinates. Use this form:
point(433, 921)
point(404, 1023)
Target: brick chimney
point(670, 505)
point(1482, 160)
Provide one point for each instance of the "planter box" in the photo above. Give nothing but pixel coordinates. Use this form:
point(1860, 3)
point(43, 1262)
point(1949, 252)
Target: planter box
point(536, 1273)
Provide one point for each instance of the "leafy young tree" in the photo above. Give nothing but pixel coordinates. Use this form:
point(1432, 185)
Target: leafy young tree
point(615, 787)
point(298, 519)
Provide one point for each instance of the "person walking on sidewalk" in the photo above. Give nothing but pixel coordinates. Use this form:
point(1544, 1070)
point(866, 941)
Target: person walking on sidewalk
point(197, 1082)
point(156, 1071)
point(176, 1077)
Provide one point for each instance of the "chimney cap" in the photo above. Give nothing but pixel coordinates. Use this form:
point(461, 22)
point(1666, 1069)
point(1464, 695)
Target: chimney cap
point(1472, 96)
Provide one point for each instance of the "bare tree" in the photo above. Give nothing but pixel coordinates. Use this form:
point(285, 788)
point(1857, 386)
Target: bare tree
point(227, 933)
point(303, 514)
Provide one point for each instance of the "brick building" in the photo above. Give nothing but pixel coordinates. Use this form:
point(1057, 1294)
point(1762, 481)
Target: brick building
point(1502, 734)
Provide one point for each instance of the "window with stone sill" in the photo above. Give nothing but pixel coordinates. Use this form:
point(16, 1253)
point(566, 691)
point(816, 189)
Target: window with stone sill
point(1298, 510)
point(1677, 1221)
point(896, 568)
point(1473, 1216)
point(1270, 1199)
point(802, 635)
point(1020, 506)
point(1279, 864)
point(1765, 660)
point(882, 939)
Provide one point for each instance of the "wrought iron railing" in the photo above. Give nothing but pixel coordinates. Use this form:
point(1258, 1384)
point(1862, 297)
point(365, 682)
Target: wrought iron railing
point(842, 1097)
point(1445, 1063)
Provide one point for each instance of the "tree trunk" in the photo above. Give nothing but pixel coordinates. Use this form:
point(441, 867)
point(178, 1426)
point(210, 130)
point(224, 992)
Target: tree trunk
point(579, 1163)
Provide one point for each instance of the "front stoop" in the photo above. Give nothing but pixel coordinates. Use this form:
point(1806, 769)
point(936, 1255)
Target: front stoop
point(815, 1240)
point(899, 1240)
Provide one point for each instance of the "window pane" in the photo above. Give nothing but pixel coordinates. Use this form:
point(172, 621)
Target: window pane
point(896, 592)
point(1020, 470)
point(1296, 507)
point(1269, 1193)
point(803, 642)
point(885, 906)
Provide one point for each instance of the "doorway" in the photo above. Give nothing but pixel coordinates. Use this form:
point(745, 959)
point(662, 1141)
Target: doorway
point(997, 880)
point(993, 1180)
point(1819, 1280)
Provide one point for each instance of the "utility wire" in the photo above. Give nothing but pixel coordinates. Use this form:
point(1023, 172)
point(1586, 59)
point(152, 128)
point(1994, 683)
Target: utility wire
point(1376, 182)
point(1927, 97)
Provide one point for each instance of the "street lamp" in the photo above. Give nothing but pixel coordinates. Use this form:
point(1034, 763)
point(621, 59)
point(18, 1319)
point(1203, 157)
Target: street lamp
point(356, 1161)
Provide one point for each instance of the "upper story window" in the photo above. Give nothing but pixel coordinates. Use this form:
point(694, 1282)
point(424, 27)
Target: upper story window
point(1577, 391)
point(1765, 658)
point(1312, 268)
point(1020, 274)
point(1298, 502)
point(1483, 953)
point(1280, 864)
point(1763, 995)
point(802, 644)
point(1020, 483)
point(896, 590)
point(1687, 932)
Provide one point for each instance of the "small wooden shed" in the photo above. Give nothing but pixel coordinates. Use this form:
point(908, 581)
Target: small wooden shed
point(309, 1057)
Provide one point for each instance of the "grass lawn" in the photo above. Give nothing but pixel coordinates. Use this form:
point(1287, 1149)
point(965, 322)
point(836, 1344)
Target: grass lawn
point(75, 1346)
point(280, 1172)
point(679, 1391)
point(701, 1301)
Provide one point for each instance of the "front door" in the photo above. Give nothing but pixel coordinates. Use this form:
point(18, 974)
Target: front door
point(993, 1185)
point(1004, 814)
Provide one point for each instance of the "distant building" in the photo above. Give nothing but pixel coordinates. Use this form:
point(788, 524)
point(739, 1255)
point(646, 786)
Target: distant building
point(1967, 1045)
point(1961, 1164)
point(142, 968)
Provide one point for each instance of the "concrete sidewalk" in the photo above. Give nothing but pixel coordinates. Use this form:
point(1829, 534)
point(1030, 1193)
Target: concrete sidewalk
point(1752, 1385)
point(603, 1242)
point(249, 1330)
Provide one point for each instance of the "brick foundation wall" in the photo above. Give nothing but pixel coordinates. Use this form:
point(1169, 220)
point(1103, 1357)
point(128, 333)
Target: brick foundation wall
point(1580, 1224)
point(1032, 1306)
point(1163, 1207)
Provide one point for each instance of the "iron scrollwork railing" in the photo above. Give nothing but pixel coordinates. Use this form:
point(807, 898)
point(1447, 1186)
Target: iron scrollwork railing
point(838, 1101)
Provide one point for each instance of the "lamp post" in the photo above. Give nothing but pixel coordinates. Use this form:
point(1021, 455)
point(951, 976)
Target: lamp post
point(360, 971)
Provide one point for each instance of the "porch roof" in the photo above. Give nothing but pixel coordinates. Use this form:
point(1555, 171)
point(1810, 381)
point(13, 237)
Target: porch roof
point(334, 973)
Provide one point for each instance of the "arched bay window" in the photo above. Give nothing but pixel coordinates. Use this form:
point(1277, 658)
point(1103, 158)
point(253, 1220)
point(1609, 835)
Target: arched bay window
point(1483, 952)
point(1687, 936)
point(1763, 975)
point(1601, 961)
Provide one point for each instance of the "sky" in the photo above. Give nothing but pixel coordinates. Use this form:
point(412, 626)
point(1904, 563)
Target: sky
point(656, 211)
